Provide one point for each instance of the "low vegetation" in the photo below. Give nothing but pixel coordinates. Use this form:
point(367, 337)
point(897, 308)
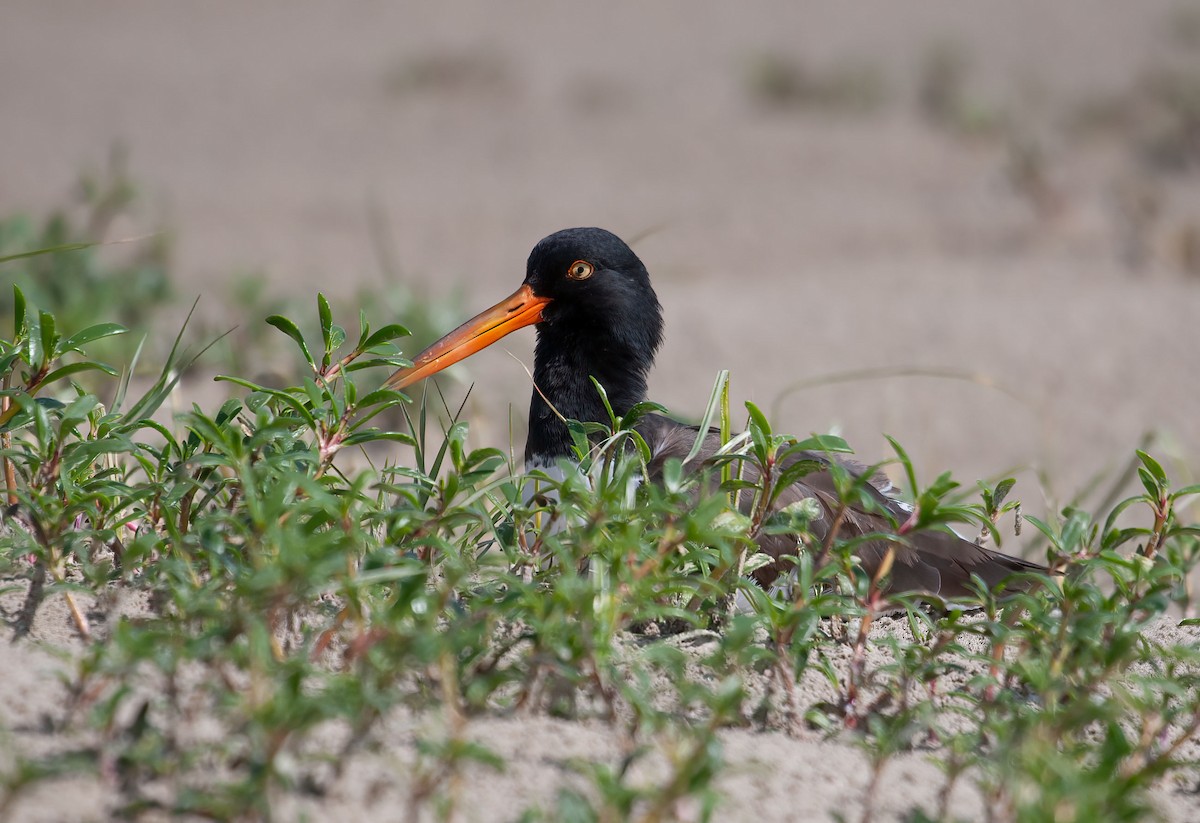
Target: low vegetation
point(296, 591)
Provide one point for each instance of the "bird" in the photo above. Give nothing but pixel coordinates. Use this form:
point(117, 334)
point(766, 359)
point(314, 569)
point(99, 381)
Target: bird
point(596, 315)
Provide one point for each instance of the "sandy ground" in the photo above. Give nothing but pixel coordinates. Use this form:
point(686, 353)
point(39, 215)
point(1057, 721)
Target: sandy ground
point(785, 243)
point(770, 776)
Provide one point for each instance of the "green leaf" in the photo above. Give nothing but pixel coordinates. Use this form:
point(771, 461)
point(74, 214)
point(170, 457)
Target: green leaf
point(172, 371)
point(756, 561)
point(384, 335)
point(18, 312)
point(294, 403)
point(909, 472)
point(822, 443)
point(79, 408)
point(731, 522)
point(291, 330)
point(612, 416)
point(1117, 510)
point(315, 395)
point(1153, 467)
point(388, 575)
point(8, 258)
point(640, 410)
point(760, 433)
point(389, 396)
point(1074, 529)
point(33, 342)
point(579, 438)
point(329, 337)
point(75, 368)
point(49, 335)
point(1149, 482)
point(392, 363)
point(326, 316)
point(371, 435)
point(247, 384)
point(337, 336)
point(1186, 491)
point(1045, 529)
point(1002, 490)
point(793, 518)
point(714, 404)
point(797, 471)
point(92, 334)
point(757, 418)
point(643, 448)
point(364, 329)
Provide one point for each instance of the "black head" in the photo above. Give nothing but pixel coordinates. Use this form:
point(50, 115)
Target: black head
point(603, 320)
point(608, 263)
point(596, 315)
point(601, 302)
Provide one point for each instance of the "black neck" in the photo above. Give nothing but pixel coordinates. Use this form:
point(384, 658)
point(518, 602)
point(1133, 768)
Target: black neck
point(562, 371)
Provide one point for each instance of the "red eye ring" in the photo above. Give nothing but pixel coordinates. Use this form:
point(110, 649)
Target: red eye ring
point(580, 270)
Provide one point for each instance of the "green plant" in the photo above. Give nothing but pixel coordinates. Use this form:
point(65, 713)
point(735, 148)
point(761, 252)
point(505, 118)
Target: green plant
point(301, 603)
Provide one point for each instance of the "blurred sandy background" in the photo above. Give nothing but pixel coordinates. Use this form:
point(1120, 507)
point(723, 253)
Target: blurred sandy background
point(1006, 190)
point(1003, 189)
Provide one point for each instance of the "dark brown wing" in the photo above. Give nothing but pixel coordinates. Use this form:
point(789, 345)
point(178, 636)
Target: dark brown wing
point(936, 562)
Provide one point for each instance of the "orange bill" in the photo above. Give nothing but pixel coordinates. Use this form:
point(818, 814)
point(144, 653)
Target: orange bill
point(523, 308)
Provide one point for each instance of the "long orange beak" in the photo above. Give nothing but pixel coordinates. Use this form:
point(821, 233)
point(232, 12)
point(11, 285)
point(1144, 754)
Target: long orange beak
point(523, 308)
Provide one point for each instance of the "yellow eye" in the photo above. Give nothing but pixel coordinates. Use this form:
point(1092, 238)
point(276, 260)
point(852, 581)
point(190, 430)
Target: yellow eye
point(580, 270)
